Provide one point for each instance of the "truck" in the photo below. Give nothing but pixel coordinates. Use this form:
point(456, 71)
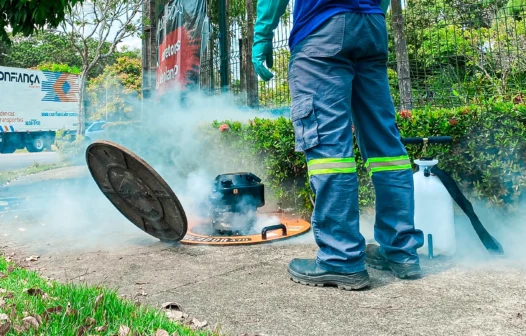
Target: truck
point(34, 105)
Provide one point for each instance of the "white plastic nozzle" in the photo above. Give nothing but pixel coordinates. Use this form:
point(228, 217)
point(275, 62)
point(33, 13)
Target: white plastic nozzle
point(426, 163)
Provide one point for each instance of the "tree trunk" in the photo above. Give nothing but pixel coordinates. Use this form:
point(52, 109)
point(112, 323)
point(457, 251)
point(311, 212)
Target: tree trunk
point(243, 63)
point(402, 57)
point(211, 67)
point(82, 107)
point(207, 69)
point(228, 43)
point(251, 77)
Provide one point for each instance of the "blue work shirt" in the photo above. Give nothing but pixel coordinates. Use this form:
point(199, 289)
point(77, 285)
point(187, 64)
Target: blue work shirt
point(310, 14)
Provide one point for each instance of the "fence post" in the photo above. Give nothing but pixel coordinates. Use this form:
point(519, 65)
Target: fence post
point(402, 57)
point(251, 77)
point(223, 45)
point(149, 48)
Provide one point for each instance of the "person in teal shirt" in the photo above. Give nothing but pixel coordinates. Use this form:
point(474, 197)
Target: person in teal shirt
point(338, 79)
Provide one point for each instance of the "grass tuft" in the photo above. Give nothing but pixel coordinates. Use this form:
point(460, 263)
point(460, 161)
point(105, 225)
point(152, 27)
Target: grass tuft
point(36, 167)
point(31, 305)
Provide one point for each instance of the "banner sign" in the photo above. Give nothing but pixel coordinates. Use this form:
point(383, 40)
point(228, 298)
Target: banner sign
point(181, 34)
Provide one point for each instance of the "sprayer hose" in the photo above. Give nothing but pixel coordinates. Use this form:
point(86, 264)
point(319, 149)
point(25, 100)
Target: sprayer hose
point(490, 243)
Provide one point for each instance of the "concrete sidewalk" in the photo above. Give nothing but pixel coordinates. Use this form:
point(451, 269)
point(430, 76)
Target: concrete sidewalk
point(80, 236)
point(63, 173)
point(246, 290)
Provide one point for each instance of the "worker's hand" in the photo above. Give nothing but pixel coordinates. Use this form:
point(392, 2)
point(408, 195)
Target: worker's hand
point(261, 53)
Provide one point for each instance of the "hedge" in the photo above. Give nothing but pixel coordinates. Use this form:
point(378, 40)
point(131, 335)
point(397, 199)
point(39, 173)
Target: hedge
point(487, 156)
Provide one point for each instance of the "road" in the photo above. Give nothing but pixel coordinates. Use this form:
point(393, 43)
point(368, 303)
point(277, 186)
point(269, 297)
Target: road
point(23, 160)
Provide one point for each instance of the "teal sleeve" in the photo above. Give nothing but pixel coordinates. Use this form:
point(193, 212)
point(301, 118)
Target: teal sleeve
point(268, 14)
point(385, 5)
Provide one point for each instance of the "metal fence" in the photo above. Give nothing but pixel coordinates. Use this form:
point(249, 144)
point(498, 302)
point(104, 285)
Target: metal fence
point(455, 52)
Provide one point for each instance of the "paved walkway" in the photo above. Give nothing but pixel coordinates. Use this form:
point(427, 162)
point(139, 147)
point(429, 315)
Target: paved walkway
point(23, 160)
point(246, 289)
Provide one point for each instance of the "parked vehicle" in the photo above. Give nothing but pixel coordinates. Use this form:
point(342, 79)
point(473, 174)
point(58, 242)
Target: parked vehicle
point(34, 105)
point(95, 131)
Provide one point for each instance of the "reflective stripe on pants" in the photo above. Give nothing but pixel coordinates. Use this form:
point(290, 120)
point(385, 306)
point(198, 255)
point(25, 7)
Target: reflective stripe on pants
point(375, 165)
point(331, 166)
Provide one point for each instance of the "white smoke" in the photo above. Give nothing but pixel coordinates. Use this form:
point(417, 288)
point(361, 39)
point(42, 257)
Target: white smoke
point(76, 215)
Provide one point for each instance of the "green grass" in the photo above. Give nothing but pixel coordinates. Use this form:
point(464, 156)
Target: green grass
point(33, 169)
point(24, 292)
point(25, 151)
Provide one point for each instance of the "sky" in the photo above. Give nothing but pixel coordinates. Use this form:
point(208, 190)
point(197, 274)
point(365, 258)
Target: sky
point(132, 42)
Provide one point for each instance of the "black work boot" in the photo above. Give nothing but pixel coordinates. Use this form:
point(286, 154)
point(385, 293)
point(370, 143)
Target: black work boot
point(307, 272)
point(375, 259)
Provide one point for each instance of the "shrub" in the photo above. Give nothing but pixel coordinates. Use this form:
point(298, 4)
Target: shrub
point(487, 156)
point(70, 149)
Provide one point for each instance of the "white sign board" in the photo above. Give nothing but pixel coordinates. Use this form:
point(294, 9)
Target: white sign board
point(34, 101)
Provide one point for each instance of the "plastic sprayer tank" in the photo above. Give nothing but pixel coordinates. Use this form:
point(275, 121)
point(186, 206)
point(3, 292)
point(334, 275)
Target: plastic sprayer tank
point(434, 211)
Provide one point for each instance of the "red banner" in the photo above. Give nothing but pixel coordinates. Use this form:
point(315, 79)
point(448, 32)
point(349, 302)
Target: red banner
point(179, 41)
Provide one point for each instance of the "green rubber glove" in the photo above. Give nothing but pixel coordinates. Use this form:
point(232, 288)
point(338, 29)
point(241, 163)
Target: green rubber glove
point(385, 5)
point(268, 14)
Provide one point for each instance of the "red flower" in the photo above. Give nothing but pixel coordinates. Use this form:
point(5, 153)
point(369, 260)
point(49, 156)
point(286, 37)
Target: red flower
point(453, 122)
point(224, 127)
point(518, 99)
point(465, 111)
point(406, 114)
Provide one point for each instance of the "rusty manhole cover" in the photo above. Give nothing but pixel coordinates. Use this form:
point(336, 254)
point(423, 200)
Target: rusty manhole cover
point(137, 190)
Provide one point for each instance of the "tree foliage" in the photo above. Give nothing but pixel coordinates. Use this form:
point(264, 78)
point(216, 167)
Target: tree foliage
point(44, 47)
point(107, 23)
point(114, 95)
point(463, 50)
point(56, 67)
point(460, 51)
point(26, 16)
point(53, 47)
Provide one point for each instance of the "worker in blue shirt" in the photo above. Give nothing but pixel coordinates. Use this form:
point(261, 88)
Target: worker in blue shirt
point(337, 79)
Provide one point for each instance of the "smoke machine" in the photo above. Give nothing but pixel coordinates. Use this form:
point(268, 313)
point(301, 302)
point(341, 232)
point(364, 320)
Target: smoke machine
point(235, 199)
point(145, 198)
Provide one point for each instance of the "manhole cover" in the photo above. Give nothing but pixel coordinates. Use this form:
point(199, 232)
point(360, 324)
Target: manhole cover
point(137, 190)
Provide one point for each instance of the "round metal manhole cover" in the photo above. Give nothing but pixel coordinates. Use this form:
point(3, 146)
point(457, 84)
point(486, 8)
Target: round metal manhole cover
point(137, 190)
